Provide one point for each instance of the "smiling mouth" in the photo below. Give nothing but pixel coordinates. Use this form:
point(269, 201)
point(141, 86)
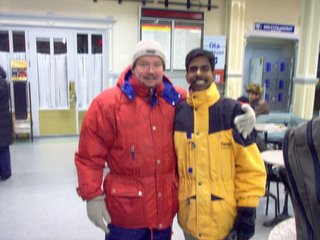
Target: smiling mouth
point(198, 82)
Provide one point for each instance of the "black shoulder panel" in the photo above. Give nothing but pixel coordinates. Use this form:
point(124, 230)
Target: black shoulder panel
point(184, 120)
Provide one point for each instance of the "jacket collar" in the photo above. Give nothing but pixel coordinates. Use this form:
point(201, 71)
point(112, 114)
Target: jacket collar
point(132, 87)
point(207, 97)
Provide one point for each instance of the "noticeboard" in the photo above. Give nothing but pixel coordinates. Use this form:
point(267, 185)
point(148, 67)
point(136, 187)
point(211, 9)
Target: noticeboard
point(18, 70)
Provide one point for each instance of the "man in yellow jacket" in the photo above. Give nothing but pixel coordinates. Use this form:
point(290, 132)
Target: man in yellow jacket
point(221, 174)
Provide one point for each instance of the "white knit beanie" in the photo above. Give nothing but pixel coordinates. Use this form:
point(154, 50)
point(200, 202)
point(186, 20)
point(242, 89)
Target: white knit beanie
point(148, 47)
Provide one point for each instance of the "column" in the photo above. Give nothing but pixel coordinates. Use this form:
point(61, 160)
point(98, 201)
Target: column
point(235, 47)
point(306, 71)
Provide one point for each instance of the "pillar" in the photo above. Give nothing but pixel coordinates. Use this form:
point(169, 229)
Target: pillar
point(306, 71)
point(235, 47)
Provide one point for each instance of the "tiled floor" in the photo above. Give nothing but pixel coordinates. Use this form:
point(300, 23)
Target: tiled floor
point(39, 201)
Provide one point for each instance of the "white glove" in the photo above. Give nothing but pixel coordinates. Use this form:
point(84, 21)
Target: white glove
point(245, 122)
point(97, 213)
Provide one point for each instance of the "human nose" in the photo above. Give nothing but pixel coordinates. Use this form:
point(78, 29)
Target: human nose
point(198, 71)
point(151, 68)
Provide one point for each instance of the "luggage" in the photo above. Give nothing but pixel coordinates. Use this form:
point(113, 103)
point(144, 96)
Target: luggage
point(301, 152)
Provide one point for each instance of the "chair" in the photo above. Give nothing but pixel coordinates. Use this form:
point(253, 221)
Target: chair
point(272, 176)
point(285, 230)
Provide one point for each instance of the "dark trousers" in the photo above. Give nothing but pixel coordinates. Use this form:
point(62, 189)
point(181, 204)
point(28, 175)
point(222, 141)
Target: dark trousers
point(5, 164)
point(119, 233)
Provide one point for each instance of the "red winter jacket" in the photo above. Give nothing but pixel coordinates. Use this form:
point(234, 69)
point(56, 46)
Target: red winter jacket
point(134, 136)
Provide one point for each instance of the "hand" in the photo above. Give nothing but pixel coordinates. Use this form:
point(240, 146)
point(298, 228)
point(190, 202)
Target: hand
point(97, 213)
point(244, 224)
point(245, 122)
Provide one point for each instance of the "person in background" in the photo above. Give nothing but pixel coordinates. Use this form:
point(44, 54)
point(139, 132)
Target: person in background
point(5, 127)
point(129, 128)
point(221, 174)
point(259, 105)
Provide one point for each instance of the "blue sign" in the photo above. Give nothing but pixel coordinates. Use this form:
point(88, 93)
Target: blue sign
point(272, 27)
point(217, 45)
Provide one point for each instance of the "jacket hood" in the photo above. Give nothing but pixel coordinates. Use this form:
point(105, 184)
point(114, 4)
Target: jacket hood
point(132, 87)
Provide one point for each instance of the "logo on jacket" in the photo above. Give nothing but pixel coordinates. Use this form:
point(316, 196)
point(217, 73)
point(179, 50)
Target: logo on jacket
point(225, 145)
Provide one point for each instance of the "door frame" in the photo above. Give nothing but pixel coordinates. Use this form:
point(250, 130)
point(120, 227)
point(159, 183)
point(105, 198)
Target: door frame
point(52, 33)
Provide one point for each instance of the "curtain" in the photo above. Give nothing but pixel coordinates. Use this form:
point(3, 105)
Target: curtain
point(52, 81)
point(61, 81)
point(90, 78)
point(97, 75)
point(44, 78)
point(83, 76)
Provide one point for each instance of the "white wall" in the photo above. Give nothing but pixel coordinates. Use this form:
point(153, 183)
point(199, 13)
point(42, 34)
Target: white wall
point(273, 11)
point(126, 16)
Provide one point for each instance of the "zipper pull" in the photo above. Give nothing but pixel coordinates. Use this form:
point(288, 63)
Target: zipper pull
point(132, 152)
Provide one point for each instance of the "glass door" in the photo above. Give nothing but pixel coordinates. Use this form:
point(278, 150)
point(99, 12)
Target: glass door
point(92, 67)
point(52, 74)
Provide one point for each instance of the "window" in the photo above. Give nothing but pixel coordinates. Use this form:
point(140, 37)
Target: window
point(82, 43)
point(96, 44)
point(4, 41)
point(89, 67)
point(12, 47)
point(19, 42)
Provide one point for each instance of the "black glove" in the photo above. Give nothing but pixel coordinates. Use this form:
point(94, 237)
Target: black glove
point(244, 224)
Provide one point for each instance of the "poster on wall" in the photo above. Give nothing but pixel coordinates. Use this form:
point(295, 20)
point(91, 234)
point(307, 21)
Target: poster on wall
point(217, 45)
point(161, 33)
point(19, 70)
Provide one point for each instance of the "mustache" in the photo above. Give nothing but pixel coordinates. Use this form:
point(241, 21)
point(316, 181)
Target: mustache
point(150, 76)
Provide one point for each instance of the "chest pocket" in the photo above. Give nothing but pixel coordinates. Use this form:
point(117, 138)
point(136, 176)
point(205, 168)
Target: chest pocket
point(221, 155)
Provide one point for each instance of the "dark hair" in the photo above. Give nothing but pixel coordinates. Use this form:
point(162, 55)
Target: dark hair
point(199, 52)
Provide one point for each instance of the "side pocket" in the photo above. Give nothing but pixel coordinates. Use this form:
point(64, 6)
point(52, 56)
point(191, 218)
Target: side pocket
point(125, 201)
point(187, 208)
point(223, 207)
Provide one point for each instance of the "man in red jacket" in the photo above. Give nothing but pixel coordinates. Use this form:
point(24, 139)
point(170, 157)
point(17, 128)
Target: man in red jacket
point(129, 128)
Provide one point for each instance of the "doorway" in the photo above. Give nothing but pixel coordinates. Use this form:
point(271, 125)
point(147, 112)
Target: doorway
point(52, 75)
point(270, 63)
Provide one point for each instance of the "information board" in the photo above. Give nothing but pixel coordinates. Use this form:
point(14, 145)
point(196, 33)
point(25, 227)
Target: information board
point(217, 44)
point(186, 38)
point(160, 33)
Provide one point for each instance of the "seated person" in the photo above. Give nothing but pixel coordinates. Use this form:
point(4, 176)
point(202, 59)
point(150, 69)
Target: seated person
point(259, 105)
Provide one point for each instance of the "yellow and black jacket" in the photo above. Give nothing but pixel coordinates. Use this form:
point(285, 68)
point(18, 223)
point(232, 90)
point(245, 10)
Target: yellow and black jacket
point(218, 169)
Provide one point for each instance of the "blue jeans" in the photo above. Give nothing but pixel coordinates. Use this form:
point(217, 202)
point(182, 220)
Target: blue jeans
point(119, 233)
point(5, 165)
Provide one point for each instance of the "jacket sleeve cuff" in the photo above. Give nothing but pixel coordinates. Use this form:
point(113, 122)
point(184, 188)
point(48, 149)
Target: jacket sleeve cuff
point(248, 202)
point(88, 196)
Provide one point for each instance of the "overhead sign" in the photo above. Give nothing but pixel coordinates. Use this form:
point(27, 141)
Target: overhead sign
point(273, 27)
